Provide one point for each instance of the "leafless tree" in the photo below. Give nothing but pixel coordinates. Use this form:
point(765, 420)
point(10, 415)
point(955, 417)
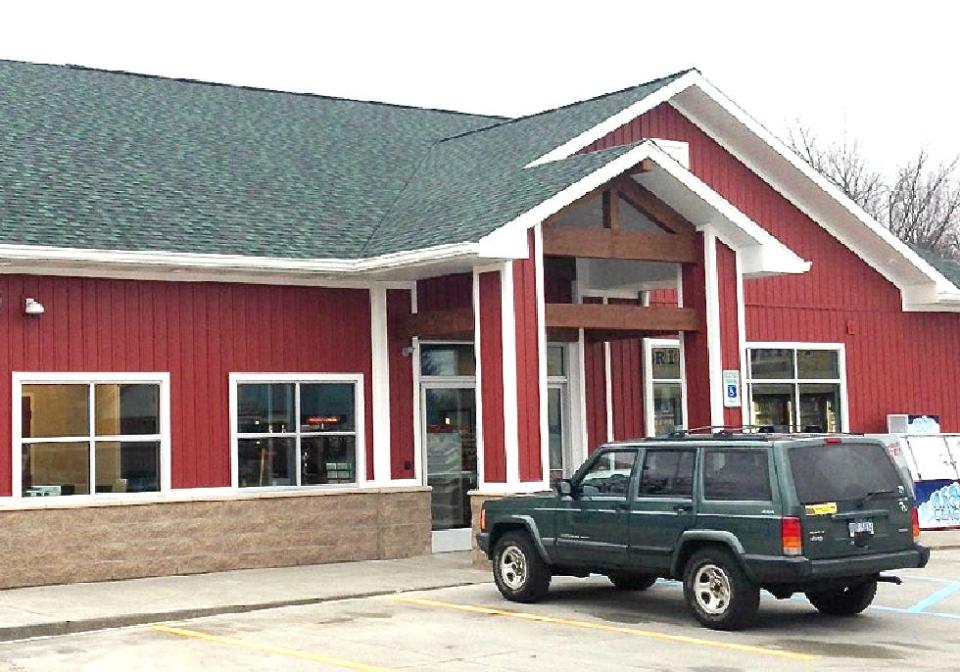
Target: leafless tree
point(920, 203)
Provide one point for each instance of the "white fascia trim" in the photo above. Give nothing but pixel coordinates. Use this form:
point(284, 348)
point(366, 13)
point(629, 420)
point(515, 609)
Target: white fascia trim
point(141, 260)
point(574, 145)
point(943, 285)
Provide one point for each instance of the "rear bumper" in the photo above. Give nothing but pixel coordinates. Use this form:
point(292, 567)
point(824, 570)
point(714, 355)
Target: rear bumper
point(778, 569)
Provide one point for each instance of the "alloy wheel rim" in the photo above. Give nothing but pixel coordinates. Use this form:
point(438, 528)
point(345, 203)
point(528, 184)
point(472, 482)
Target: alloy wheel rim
point(513, 567)
point(711, 589)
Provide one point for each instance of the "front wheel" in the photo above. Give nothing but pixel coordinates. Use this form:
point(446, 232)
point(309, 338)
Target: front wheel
point(520, 573)
point(848, 601)
point(718, 591)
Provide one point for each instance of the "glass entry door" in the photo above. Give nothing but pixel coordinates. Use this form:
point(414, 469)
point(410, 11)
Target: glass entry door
point(450, 443)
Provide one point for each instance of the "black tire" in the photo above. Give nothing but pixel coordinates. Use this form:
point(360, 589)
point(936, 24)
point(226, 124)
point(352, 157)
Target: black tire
point(718, 591)
point(848, 601)
point(520, 573)
point(631, 580)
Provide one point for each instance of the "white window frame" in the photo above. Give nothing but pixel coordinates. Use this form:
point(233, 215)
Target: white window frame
point(91, 379)
point(648, 410)
point(562, 383)
point(839, 348)
point(355, 379)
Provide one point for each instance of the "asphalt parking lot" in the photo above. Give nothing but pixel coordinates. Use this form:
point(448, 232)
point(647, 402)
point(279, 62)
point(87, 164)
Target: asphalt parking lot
point(584, 625)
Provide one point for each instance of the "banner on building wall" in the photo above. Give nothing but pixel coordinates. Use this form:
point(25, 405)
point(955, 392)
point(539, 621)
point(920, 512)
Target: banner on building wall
point(938, 503)
point(934, 463)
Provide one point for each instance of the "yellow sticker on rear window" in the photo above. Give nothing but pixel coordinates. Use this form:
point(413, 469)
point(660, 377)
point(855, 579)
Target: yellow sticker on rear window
point(824, 509)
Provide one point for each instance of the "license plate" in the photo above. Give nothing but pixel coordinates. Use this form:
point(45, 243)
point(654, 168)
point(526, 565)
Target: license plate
point(860, 527)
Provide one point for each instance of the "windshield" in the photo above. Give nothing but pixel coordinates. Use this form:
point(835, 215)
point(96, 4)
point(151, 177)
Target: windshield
point(827, 473)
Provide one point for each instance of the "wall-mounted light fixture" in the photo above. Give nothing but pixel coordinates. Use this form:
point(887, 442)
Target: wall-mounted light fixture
point(32, 307)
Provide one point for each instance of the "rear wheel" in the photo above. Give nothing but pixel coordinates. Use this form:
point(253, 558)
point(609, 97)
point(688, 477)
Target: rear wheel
point(718, 591)
point(520, 573)
point(848, 601)
point(631, 580)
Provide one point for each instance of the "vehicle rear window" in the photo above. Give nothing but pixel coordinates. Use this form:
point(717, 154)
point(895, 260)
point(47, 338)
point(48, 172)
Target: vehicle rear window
point(827, 473)
point(736, 475)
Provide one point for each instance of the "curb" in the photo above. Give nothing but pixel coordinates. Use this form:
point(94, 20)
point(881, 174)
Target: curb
point(59, 628)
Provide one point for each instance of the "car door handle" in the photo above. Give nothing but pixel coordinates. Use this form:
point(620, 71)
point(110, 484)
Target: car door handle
point(622, 506)
point(682, 508)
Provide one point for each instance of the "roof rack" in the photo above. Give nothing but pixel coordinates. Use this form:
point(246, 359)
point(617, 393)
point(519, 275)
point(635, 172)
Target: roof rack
point(743, 432)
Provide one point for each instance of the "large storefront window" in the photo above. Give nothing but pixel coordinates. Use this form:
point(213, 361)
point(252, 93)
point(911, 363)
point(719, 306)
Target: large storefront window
point(299, 432)
point(664, 372)
point(796, 389)
point(86, 435)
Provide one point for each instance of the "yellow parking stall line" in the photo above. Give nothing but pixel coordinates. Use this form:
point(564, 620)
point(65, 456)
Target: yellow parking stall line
point(587, 625)
point(268, 648)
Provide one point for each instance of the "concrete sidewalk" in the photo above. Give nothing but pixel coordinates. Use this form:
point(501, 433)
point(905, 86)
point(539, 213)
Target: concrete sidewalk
point(81, 607)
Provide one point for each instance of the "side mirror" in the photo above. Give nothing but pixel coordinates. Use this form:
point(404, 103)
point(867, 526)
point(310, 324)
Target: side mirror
point(565, 487)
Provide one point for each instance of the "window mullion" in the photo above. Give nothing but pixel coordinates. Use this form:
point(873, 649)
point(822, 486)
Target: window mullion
point(296, 425)
point(92, 444)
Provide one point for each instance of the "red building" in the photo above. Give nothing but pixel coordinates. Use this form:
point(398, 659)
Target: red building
point(248, 328)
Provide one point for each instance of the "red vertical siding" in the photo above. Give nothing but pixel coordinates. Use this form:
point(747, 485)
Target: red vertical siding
point(595, 389)
point(401, 385)
point(729, 332)
point(840, 300)
point(663, 297)
point(491, 377)
point(695, 346)
point(626, 381)
point(528, 363)
point(445, 292)
point(199, 332)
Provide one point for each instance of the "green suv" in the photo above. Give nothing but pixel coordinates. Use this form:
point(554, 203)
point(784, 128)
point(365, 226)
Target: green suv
point(728, 514)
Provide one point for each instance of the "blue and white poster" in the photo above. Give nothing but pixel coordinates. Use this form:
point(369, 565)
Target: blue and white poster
point(938, 503)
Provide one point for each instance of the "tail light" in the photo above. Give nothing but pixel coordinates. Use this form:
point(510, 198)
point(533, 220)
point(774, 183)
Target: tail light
point(916, 523)
point(483, 519)
point(791, 535)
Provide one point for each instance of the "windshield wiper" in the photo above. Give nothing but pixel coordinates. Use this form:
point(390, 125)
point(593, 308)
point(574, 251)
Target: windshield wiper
point(876, 493)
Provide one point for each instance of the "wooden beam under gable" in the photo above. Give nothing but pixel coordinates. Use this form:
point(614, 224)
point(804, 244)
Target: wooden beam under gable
point(593, 243)
point(620, 317)
point(453, 323)
point(652, 207)
point(611, 210)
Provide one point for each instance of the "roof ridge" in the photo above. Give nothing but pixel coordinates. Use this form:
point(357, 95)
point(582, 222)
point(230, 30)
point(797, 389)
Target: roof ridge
point(244, 87)
point(510, 120)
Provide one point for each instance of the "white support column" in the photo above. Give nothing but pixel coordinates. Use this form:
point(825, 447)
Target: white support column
point(608, 385)
point(511, 422)
point(380, 379)
point(742, 343)
point(714, 352)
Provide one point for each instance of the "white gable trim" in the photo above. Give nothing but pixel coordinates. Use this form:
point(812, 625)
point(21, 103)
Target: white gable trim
point(922, 286)
point(763, 253)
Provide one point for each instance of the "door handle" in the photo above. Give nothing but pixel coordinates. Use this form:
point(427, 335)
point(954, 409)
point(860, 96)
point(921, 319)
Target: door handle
point(623, 506)
point(682, 508)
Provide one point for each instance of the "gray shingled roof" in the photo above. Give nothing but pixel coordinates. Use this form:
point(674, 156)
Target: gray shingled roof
point(950, 268)
point(104, 160)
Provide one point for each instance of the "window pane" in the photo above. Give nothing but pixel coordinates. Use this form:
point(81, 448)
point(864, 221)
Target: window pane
point(327, 407)
point(667, 473)
point(51, 469)
point(819, 408)
point(667, 407)
point(265, 408)
point(328, 459)
point(773, 406)
point(818, 364)
point(609, 476)
point(555, 431)
point(55, 410)
point(665, 363)
point(270, 461)
point(447, 359)
point(771, 364)
point(127, 409)
point(826, 473)
point(736, 475)
point(555, 361)
point(128, 466)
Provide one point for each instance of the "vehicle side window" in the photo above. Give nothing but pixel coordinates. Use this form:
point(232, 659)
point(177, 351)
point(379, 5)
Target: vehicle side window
point(609, 475)
point(667, 473)
point(736, 475)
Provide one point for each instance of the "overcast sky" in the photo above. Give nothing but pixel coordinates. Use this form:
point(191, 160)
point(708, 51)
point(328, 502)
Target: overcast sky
point(884, 73)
